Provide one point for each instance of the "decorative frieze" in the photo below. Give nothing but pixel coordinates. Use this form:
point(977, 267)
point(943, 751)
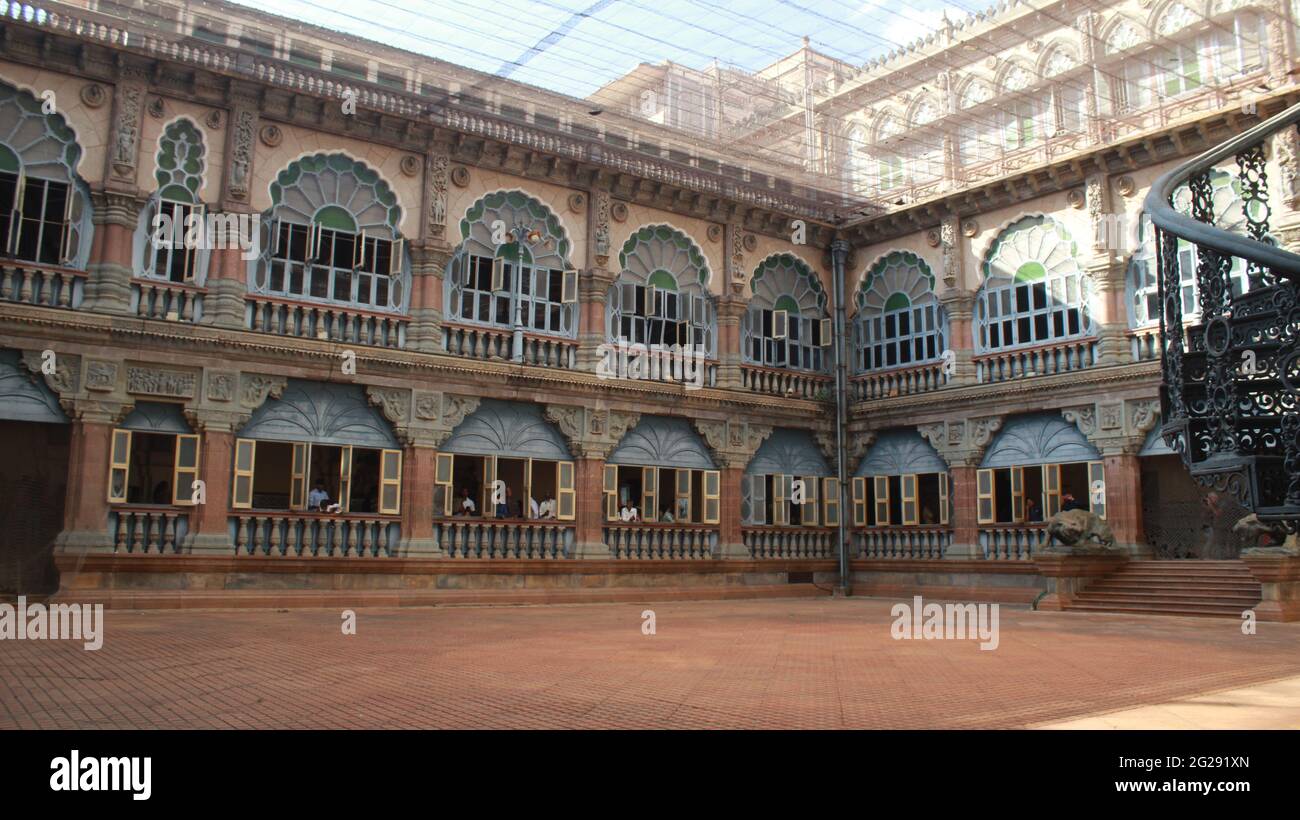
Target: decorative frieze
point(254, 389)
point(221, 386)
point(154, 381)
point(240, 167)
point(436, 165)
point(101, 376)
point(129, 99)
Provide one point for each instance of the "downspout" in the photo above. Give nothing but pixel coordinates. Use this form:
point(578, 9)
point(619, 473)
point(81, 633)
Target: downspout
point(839, 253)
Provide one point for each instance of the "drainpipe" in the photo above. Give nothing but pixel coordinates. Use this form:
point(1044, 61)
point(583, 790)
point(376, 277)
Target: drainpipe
point(839, 253)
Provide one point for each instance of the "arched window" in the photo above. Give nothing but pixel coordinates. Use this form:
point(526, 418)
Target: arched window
point(661, 296)
point(167, 218)
point(899, 323)
point(1179, 62)
point(1239, 47)
point(786, 324)
point(1229, 214)
point(331, 235)
point(1034, 291)
point(44, 204)
point(512, 268)
point(856, 172)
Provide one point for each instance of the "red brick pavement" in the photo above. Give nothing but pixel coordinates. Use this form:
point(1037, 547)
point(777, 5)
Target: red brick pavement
point(764, 664)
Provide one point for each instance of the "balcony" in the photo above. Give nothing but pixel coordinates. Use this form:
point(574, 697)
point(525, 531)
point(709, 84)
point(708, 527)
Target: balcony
point(888, 384)
point(660, 541)
point(43, 285)
point(148, 529)
point(789, 542)
point(334, 323)
point(322, 535)
point(793, 384)
point(1012, 542)
point(498, 344)
point(169, 301)
point(1045, 360)
point(902, 542)
point(504, 538)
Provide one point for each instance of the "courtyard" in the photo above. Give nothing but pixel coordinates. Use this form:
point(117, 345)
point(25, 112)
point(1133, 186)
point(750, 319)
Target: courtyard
point(773, 664)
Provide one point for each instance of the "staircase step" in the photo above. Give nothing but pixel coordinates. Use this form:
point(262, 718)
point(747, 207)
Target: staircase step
point(1118, 585)
point(1137, 609)
point(1245, 601)
point(1195, 588)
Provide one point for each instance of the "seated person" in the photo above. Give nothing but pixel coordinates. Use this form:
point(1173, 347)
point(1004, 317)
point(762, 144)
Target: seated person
point(1069, 502)
point(629, 512)
point(547, 508)
point(318, 498)
point(667, 515)
point(466, 505)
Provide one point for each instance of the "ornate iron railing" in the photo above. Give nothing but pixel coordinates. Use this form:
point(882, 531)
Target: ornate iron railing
point(1232, 382)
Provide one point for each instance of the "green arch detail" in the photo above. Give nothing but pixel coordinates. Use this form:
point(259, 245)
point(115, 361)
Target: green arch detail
point(1031, 272)
point(515, 252)
point(520, 203)
point(787, 303)
point(897, 301)
point(335, 217)
point(177, 193)
point(669, 234)
point(9, 161)
point(663, 280)
point(893, 259)
point(340, 163)
point(1022, 224)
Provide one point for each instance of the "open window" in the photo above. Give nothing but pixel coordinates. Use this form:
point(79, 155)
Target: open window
point(332, 260)
point(667, 495)
point(1033, 493)
point(36, 218)
point(530, 488)
point(303, 476)
point(152, 468)
point(908, 500)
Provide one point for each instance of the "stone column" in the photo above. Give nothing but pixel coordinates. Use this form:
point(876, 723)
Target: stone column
point(593, 291)
point(418, 538)
point(731, 543)
point(209, 533)
point(589, 478)
point(730, 310)
point(1105, 268)
point(1124, 502)
point(112, 263)
point(85, 515)
point(226, 284)
point(959, 306)
point(428, 267)
point(963, 512)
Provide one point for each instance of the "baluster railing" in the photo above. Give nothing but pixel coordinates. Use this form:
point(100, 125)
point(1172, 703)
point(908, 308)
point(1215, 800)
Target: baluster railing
point(660, 541)
point(789, 542)
point(1063, 357)
point(327, 323)
point(308, 535)
point(41, 285)
point(504, 539)
point(148, 530)
point(1015, 542)
point(902, 542)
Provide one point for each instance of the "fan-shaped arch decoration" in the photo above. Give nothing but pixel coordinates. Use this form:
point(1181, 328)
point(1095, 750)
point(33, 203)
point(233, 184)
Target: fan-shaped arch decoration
point(1034, 290)
point(179, 166)
point(925, 111)
point(156, 417)
point(180, 162)
point(24, 398)
point(789, 452)
point(901, 452)
point(349, 199)
point(535, 248)
point(976, 92)
point(662, 257)
point(1038, 438)
point(888, 125)
point(507, 428)
point(1058, 60)
point(1016, 76)
point(899, 322)
point(784, 282)
point(321, 413)
point(43, 149)
point(662, 441)
point(784, 274)
point(1173, 19)
point(1123, 35)
point(1229, 209)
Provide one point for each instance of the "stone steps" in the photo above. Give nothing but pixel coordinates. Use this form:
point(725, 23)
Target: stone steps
point(1191, 588)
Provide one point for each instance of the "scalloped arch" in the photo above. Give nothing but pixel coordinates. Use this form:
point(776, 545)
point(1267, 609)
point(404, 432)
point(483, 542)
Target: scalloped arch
point(924, 109)
point(1058, 57)
point(900, 452)
point(888, 123)
point(974, 91)
point(1015, 75)
point(313, 181)
point(46, 143)
point(515, 207)
point(660, 246)
point(784, 274)
point(897, 271)
point(788, 451)
point(181, 158)
point(1115, 41)
point(1166, 17)
point(1060, 249)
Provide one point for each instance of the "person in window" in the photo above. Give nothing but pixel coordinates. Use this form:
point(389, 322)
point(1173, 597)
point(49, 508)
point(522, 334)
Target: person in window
point(503, 508)
point(547, 508)
point(1069, 502)
point(1032, 510)
point(318, 498)
point(667, 515)
point(927, 516)
point(629, 513)
point(467, 506)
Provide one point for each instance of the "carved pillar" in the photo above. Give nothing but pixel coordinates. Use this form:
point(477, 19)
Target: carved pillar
point(963, 506)
point(238, 181)
point(227, 284)
point(85, 516)
point(593, 291)
point(1105, 268)
point(428, 267)
point(209, 533)
point(733, 443)
point(589, 475)
point(112, 262)
point(730, 310)
point(418, 463)
point(959, 305)
point(1124, 501)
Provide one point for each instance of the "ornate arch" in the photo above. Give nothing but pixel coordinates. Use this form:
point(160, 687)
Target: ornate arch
point(665, 257)
point(520, 213)
point(508, 428)
point(1122, 33)
point(894, 272)
point(1058, 58)
point(45, 146)
point(901, 452)
point(784, 282)
point(662, 441)
point(1173, 16)
point(321, 413)
point(786, 275)
point(1015, 75)
point(789, 452)
point(179, 168)
point(974, 91)
point(24, 396)
point(924, 110)
point(898, 319)
point(1038, 438)
point(889, 123)
point(341, 193)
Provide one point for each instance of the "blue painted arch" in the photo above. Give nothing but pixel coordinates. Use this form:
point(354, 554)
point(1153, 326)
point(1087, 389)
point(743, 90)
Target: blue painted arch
point(24, 397)
point(661, 441)
point(901, 452)
point(156, 417)
point(789, 452)
point(1038, 438)
point(321, 413)
point(509, 429)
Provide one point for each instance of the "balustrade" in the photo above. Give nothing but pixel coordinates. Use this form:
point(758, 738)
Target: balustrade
point(660, 541)
point(304, 535)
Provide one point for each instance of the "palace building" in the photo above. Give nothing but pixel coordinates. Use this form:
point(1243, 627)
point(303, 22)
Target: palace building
point(393, 387)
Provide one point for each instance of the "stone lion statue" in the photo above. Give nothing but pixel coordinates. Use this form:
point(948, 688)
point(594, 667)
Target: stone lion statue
point(1076, 528)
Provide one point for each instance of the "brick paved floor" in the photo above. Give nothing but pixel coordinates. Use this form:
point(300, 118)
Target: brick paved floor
point(787, 663)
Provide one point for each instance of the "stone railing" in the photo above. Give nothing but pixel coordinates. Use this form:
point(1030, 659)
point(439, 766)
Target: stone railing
point(1145, 344)
point(42, 285)
point(902, 542)
point(506, 539)
point(334, 323)
point(497, 344)
point(148, 529)
point(1063, 357)
point(789, 542)
point(1015, 542)
point(323, 535)
point(170, 301)
point(792, 383)
point(905, 381)
point(654, 541)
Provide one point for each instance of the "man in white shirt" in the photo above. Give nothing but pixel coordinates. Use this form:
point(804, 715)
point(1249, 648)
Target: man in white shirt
point(629, 513)
point(534, 509)
point(547, 508)
point(317, 498)
point(467, 506)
